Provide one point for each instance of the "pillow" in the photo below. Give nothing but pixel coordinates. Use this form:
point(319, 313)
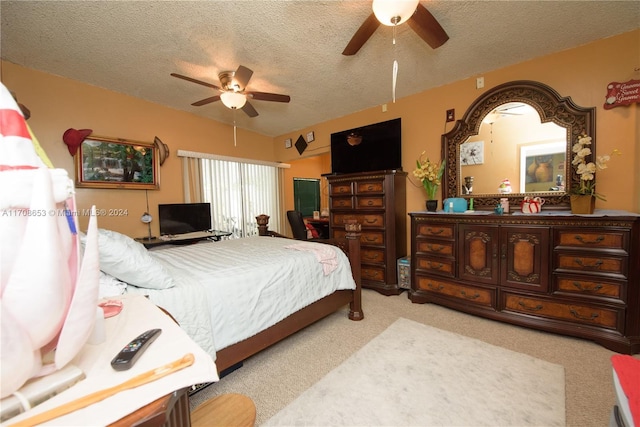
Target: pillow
point(110, 286)
point(129, 261)
point(311, 230)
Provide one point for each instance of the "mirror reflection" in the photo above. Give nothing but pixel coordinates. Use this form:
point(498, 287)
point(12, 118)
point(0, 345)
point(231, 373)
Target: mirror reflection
point(514, 152)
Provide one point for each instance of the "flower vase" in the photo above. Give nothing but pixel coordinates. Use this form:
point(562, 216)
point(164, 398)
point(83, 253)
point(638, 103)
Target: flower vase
point(432, 205)
point(582, 204)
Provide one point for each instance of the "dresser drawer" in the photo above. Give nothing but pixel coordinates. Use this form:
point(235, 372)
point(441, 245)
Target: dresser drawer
point(470, 294)
point(433, 265)
point(375, 256)
point(370, 202)
point(443, 231)
point(589, 287)
point(441, 248)
point(374, 274)
point(577, 313)
point(341, 203)
point(341, 188)
point(367, 237)
point(365, 220)
point(592, 263)
point(369, 187)
point(609, 239)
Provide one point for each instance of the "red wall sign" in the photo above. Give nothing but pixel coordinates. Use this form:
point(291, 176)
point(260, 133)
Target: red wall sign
point(619, 94)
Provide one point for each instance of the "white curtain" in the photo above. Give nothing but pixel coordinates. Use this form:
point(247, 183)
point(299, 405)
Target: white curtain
point(237, 189)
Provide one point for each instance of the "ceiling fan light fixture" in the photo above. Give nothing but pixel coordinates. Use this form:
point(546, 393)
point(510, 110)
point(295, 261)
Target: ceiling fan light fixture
point(233, 100)
point(394, 12)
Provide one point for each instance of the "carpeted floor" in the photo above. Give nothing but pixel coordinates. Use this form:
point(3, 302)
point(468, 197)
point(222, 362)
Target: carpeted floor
point(278, 375)
point(416, 375)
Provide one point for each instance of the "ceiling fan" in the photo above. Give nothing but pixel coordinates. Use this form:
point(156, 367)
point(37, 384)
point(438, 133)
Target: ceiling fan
point(233, 93)
point(393, 13)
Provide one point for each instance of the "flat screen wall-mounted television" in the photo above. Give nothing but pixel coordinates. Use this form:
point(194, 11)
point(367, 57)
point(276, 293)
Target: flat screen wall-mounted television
point(368, 148)
point(179, 218)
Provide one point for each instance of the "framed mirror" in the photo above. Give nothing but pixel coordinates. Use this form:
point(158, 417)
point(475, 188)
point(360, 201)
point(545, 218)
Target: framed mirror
point(515, 137)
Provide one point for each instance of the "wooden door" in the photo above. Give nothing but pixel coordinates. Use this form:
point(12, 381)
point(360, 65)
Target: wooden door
point(524, 257)
point(478, 253)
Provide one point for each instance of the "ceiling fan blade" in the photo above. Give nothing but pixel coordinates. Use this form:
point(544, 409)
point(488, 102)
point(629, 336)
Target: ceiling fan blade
point(206, 101)
point(265, 96)
point(368, 27)
point(242, 76)
point(189, 79)
point(248, 108)
point(427, 27)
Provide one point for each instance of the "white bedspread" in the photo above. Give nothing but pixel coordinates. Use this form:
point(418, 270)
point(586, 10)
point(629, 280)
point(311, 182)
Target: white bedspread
point(230, 290)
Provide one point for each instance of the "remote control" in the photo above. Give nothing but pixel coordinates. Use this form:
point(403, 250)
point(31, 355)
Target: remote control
point(132, 351)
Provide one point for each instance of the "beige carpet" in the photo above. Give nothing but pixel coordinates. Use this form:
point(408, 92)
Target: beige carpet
point(416, 375)
point(275, 377)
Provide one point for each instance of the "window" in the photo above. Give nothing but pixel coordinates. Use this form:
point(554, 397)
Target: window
point(237, 189)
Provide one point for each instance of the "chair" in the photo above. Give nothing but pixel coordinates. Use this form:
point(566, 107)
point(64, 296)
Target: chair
point(298, 227)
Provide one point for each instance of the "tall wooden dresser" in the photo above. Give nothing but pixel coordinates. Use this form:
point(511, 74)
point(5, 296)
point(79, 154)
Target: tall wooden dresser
point(575, 275)
point(377, 200)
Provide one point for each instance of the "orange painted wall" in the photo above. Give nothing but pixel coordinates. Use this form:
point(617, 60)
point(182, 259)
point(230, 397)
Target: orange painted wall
point(581, 73)
point(57, 104)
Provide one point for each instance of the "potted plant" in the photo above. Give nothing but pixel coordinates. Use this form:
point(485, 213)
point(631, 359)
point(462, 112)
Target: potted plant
point(583, 196)
point(429, 174)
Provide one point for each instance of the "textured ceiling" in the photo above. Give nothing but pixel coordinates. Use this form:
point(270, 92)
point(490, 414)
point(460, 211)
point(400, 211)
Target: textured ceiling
point(293, 47)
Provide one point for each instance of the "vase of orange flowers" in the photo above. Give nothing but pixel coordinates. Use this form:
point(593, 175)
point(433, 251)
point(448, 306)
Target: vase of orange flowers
point(429, 174)
point(583, 196)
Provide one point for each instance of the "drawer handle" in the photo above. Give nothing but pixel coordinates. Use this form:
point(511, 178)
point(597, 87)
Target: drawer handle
point(371, 257)
point(596, 288)
point(593, 266)
point(435, 232)
point(435, 266)
point(432, 248)
point(536, 308)
point(577, 315)
point(370, 239)
point(474, 296)
point(370, 203)
point(370, 221)
point(370, 188)
point(343, 190)
point(434, 287)
point(581, 239)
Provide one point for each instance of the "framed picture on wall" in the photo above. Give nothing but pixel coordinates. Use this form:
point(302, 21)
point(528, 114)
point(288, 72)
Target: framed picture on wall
point(117, 163)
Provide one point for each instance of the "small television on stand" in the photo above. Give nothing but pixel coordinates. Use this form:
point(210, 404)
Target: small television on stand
point(181, 218)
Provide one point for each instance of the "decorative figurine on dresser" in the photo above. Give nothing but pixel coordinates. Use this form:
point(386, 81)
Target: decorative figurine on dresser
point(552, 270)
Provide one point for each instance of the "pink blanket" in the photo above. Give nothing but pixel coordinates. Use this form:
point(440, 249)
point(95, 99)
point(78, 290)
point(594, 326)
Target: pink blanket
point(324, 253)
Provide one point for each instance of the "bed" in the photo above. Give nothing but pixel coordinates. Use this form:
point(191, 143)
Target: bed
point(236, 297)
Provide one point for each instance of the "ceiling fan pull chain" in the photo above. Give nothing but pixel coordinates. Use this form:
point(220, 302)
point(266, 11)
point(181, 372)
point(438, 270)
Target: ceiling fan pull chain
point(395, 78)
point(395, 67)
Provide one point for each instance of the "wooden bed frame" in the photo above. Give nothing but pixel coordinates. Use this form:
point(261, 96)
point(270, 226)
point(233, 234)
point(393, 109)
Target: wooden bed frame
point(172, 410)
point(236, 353)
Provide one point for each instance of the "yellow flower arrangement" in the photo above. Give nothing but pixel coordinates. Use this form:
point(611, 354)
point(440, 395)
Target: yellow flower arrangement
point(585, 169)
point(429, 173)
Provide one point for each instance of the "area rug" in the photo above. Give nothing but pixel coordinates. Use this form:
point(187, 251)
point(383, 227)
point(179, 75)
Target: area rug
point(416, 375)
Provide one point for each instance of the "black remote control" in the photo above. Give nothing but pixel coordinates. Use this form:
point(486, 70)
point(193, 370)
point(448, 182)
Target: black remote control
point(132, 351)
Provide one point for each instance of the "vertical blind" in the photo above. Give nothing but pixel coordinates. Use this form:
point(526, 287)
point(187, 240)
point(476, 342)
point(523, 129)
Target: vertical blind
point(238, 191)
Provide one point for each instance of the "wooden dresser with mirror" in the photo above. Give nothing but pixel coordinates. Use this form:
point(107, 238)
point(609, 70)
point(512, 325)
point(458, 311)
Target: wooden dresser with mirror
point(576, 275)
